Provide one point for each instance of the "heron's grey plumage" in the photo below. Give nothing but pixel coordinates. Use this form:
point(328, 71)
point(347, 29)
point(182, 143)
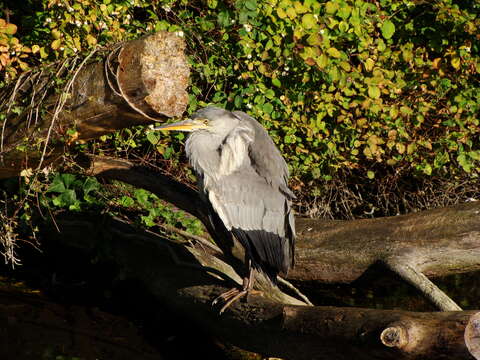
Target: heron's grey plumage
point(244, 177)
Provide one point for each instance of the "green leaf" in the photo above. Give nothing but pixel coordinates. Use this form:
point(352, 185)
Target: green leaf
point(369, 63)
point(370, 174)
point(373, 92)
point(464, 162)
point(268, 108)
point(142, 197)
point(276, 82)
point(344, 11)
point(68, 179)
point(456, 63)
point(223, 19)
point(238, 101)
point(388, 29)
point(57, 185)
point(126, 201)
point(56, 44)
point(251, 4)
point(68, 197)
point(212, 4)
point(427, 169)
point(153, 138)
point(90, 184)
point(291, 13)
point(281, 13)
point(308, 21)
point(331, 7)
point(322, 61)
point(474, 155)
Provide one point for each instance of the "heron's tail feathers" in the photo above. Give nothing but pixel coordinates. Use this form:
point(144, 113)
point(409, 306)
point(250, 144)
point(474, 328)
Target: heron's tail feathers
point(269, 251)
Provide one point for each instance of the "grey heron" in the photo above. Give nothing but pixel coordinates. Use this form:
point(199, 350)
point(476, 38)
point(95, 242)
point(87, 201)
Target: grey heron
point(242, 174)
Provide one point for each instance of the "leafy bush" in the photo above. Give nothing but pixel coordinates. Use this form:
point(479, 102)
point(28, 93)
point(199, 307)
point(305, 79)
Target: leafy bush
point(382, 92)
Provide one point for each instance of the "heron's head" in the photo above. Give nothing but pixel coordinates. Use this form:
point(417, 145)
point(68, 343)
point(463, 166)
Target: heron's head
point(210, 119)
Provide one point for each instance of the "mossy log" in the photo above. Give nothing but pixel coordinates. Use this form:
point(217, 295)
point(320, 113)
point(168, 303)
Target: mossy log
point(133, 83)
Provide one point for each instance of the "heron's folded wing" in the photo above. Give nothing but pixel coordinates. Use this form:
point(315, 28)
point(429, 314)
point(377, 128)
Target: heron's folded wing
point(256, 213)
point(265, 157)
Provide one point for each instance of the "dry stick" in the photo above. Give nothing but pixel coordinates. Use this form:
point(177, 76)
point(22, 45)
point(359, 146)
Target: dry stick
point(422, 283)
point(290, 286)
point(60, 105)
point(12, 98)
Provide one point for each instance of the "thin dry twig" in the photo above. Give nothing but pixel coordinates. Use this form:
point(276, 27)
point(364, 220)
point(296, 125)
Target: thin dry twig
point(61, 103)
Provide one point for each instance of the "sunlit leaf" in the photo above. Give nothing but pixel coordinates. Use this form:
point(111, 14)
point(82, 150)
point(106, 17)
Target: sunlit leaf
point(388, 29)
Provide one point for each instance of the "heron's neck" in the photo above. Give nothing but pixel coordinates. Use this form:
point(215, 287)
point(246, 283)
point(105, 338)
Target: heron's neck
point(203, 153)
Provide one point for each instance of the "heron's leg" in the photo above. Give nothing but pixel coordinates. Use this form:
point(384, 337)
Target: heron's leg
point(234, 294)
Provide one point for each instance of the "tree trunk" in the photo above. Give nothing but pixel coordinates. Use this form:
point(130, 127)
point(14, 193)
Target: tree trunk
point(184, 277)
point(136, 83)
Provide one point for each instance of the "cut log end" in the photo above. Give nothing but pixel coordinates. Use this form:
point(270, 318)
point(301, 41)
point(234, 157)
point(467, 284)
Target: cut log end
point(472, 335)
point(395, 336)
point(159, 61)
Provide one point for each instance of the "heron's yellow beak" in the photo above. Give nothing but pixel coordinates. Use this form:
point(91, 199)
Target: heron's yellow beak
point(185, 125)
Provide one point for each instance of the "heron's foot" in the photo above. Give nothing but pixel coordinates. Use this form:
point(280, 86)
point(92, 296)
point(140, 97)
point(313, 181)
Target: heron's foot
point(232, 295)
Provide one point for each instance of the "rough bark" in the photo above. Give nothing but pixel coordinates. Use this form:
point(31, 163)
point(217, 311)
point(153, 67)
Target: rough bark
point(135, 83)
point(173, 274)
point(430, 243)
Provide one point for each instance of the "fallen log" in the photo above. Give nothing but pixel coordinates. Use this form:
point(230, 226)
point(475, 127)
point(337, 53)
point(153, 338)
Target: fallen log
point(430, 243)
point(133, 83)
point(182, 276)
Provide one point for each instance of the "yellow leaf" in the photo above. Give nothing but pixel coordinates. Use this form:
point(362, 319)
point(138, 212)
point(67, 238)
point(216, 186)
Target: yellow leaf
point(400, 148)
point(322, 61)
point(436, 63)
point(374, 92)
point(10, 29)
point(455, 63)
point(281, 13)
point(300, 8)
point(411, 148)
point(91, 40)
point(345, 66)
point(56, 44)
point(43, 53)
point(369, 63)
point(334, 52)
point(56, 34)
point(291, 13)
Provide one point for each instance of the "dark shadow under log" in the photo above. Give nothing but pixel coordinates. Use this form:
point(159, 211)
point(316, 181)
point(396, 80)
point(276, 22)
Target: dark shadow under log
point(173, 274)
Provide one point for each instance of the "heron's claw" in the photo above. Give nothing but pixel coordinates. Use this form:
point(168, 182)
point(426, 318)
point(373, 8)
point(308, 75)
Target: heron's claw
point(225, 296)
point(229, 297)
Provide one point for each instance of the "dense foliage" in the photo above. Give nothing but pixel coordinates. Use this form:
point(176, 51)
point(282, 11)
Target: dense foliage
point(362, 97)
